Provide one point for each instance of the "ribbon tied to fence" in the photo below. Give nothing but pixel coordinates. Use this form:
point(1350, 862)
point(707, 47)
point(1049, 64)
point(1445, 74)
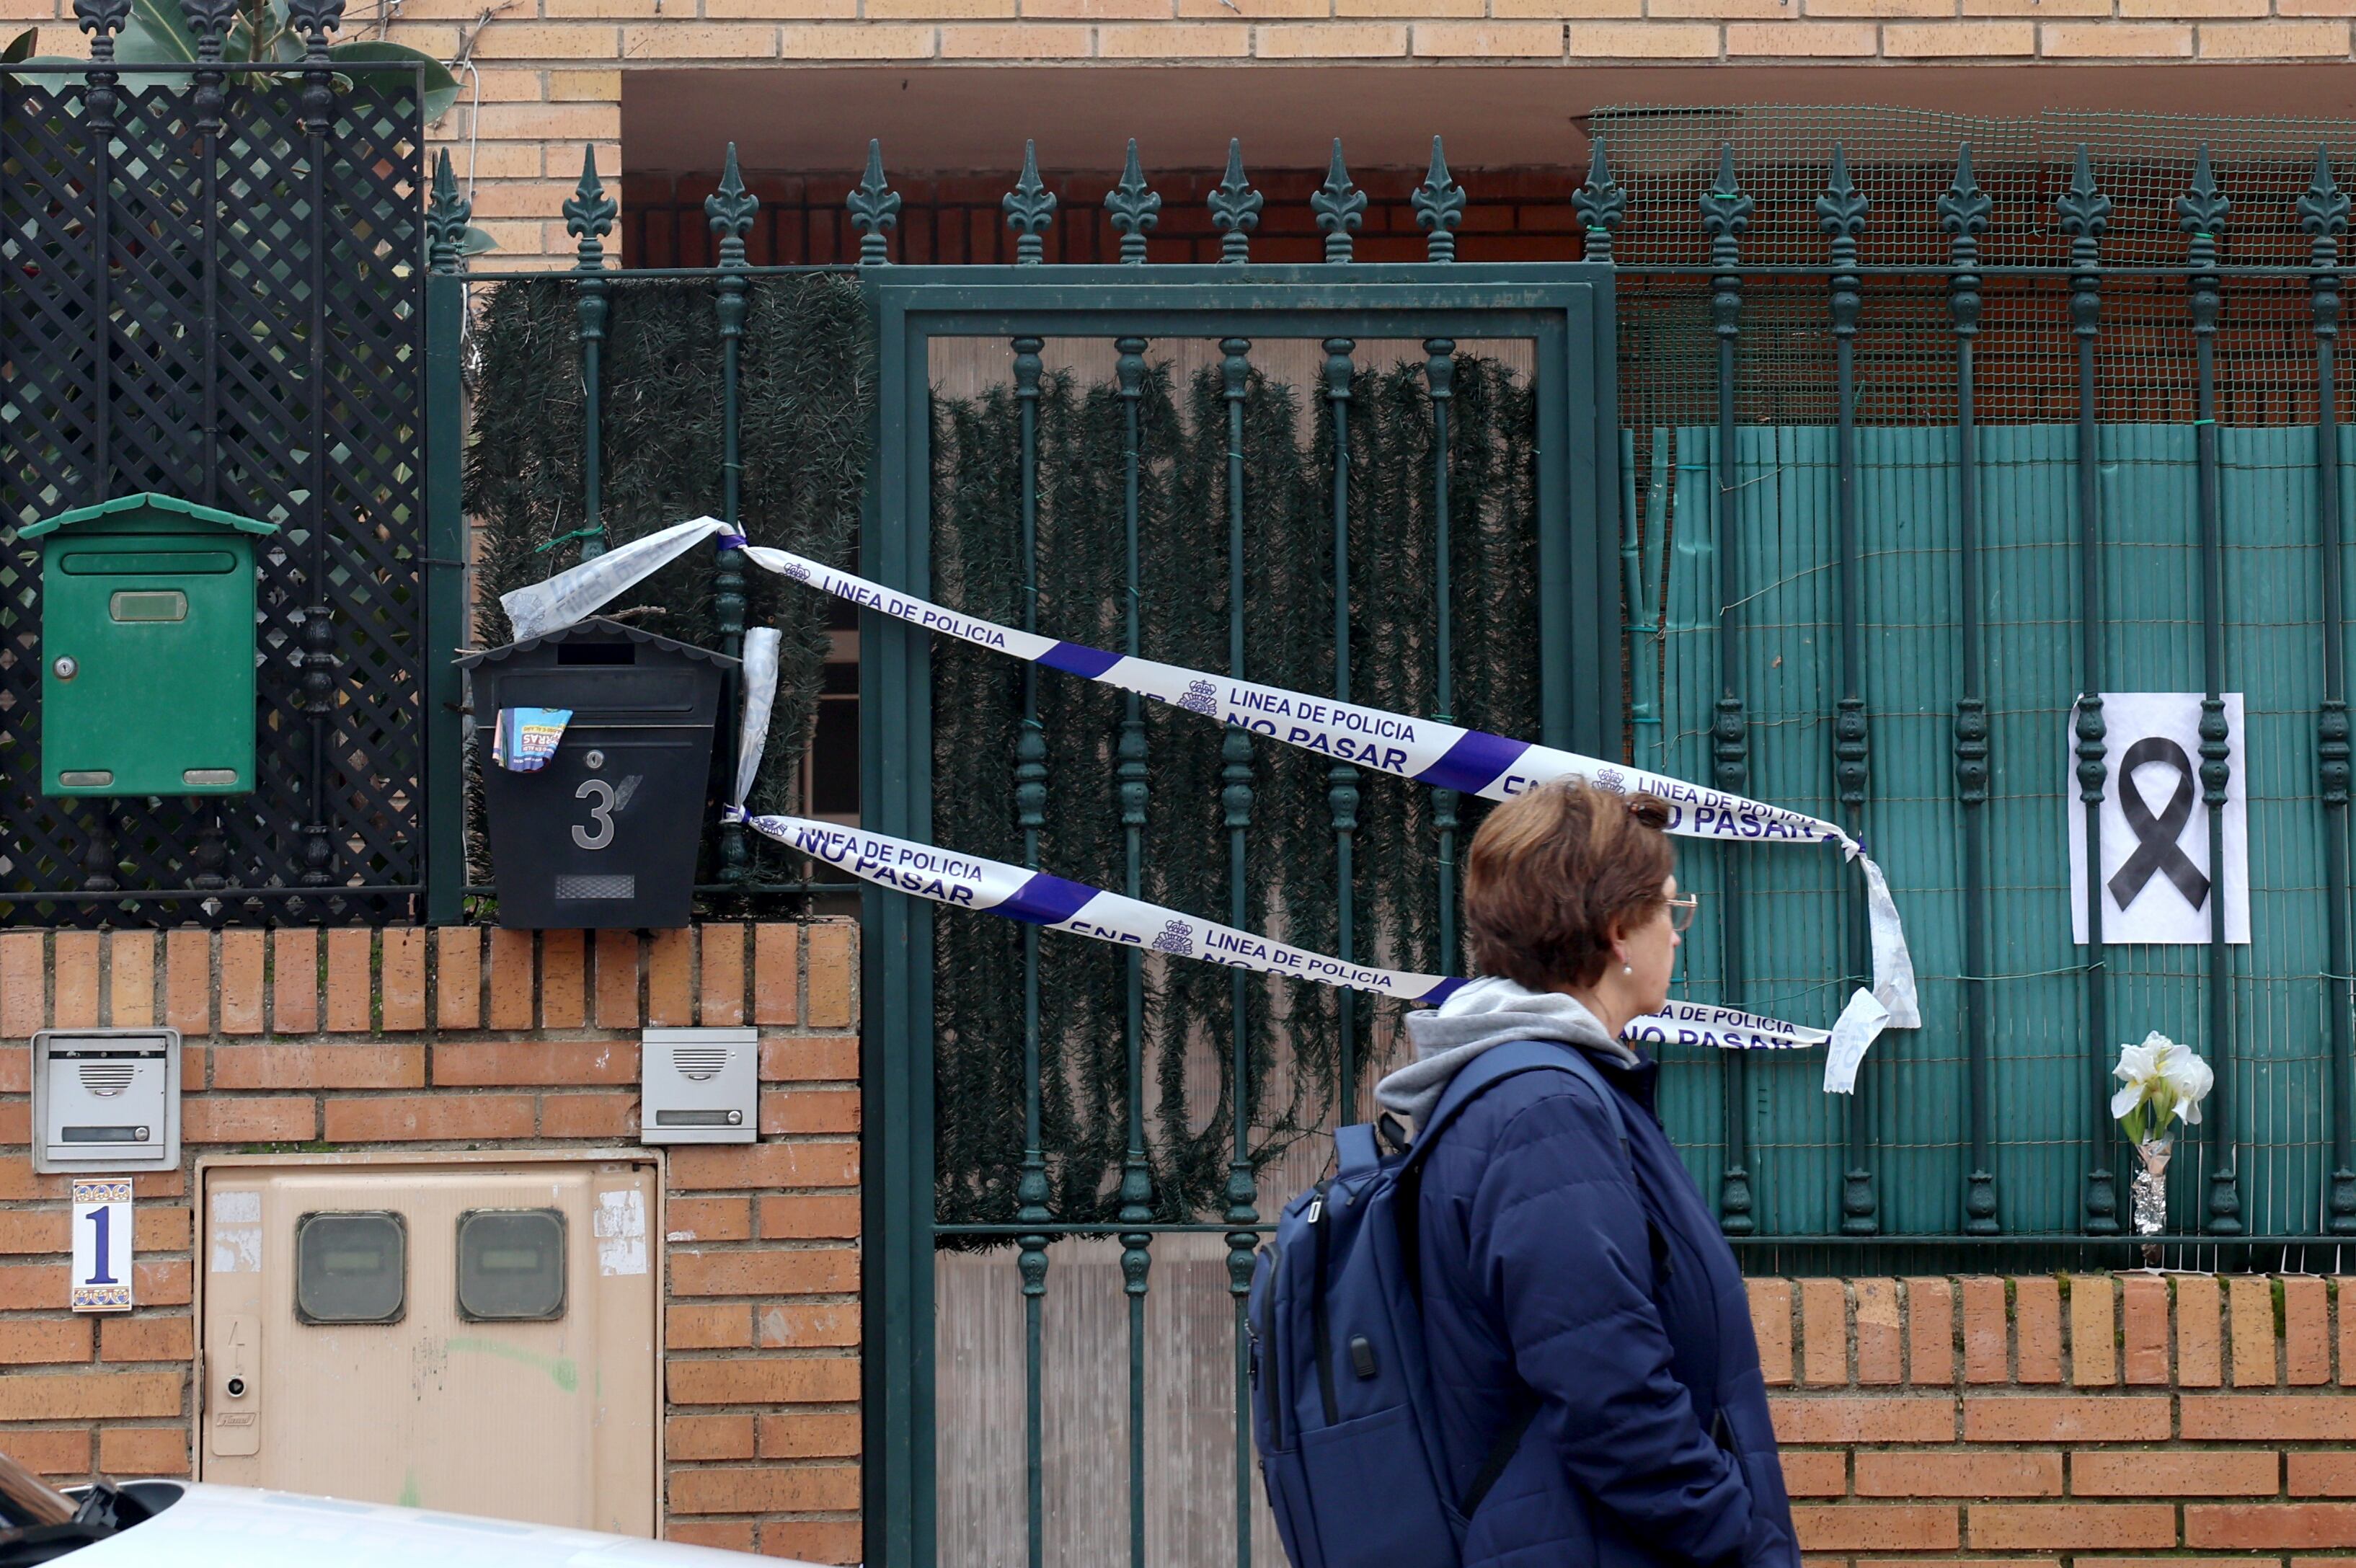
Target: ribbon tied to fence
point(1470, 761)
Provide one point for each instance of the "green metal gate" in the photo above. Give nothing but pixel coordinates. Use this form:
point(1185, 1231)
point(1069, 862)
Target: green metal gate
point(1559, 316)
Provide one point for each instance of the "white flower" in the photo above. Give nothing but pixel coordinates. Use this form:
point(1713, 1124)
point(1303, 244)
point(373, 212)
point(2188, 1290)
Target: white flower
point(2160, 1080)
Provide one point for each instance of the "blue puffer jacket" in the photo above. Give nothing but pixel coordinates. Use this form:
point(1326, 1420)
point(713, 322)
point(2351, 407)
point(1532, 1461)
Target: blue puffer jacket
point(1560, 1270)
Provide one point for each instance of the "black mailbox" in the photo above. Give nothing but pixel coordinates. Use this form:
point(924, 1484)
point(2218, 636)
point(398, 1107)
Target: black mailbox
point(603, 834)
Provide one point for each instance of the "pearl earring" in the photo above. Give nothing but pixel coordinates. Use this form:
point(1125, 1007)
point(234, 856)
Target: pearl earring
point(1627, 968)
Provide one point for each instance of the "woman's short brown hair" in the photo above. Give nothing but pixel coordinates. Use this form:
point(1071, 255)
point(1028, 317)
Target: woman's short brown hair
point(1555, 874)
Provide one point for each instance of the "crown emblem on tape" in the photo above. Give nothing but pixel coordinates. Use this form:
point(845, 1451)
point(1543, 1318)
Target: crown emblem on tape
point(1177, 937)
point(1201, 697)
point(1612, 778)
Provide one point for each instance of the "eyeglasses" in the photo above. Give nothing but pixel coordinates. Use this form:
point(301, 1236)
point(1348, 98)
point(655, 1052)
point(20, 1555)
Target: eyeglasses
point(1681, 911)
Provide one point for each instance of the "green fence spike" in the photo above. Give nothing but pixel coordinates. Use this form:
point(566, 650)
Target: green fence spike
point(1235, 209)
point(1030, 208)
point(1339, 206)
point(447, 216)
point(1439, 205)
point(1600, 204)
point(1135, 208)
point(874, 209)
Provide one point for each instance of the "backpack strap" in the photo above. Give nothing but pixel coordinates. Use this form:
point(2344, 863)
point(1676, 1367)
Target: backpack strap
point(1355, 1150)
point(1512, 1060)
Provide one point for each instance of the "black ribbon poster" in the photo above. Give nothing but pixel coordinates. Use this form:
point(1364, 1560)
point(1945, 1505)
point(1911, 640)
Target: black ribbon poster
point(2155, 871)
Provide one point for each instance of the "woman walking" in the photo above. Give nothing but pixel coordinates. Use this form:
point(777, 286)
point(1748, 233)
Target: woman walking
point(1594, 1378)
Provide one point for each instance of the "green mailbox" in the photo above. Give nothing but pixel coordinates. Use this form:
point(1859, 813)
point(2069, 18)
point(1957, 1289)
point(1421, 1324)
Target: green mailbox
point(147, 648)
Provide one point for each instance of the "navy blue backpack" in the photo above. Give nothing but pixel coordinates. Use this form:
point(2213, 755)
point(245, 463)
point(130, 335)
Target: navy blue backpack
point(1340, 1391)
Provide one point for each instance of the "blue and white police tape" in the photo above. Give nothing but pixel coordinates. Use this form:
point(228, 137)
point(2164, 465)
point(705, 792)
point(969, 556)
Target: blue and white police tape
point(971, 882)
point(1472, 761)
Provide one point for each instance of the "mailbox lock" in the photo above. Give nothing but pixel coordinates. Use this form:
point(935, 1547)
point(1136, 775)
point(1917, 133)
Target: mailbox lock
point(237, 1388)
point(595, 760)
point(141, 1135)
point(735, 1118)
point(67, 667)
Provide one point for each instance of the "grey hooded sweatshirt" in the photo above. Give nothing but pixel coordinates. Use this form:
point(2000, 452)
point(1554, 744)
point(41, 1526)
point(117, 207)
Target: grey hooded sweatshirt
point(1484, 1013)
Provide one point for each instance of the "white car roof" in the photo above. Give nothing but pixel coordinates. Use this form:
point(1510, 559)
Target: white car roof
point(236, 1527)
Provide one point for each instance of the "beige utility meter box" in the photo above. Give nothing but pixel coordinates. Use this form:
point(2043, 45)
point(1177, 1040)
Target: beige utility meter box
point(106, 1100)
point(700, 1086)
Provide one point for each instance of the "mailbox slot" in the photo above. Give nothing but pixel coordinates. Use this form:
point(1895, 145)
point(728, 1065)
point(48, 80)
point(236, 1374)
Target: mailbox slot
point(147, 648)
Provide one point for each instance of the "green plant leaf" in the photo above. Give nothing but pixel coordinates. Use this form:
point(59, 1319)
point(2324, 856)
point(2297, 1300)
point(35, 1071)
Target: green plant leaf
point(474, 242)
point(157, 31)
point(20, 47)
point(441, 87)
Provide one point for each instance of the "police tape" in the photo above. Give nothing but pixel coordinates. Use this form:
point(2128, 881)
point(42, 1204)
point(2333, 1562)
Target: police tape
point(1472, 762)
point(971, 882)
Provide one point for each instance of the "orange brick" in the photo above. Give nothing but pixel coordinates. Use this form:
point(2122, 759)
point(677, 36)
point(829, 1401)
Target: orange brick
point(280, 1119)
point(564, 980)
point(1489, 40)
point(129, 981)
point(402, 988)
point(23, 984)
point(618, 980)
point(17, 1078)
point(721, 1535)
point(46, 1450)
point(2184, 1472)
point(2014, 1527)
point(1770, 1324)
point(2119, 40)
point(805, 1324)
point(776, 974)
point(810, 1434)
point(866, 40)
point(1930, 1332)
point(188, 982)
point(2056, 1418)
point(765, 1166)
point(1793, 39)
point(721, 977)
point(1015, 40)
point(147, 1340)
point(1896, 1473)
point(245, 959)
point(1406, 9)
point(670, 979)
point(1900, 1419)
point(74, 984)
point(2198, 1332)
point(810, 1058)
point(812, 1541)
point(1182, 40)
point(935, 10)
point(129, 1451)
point(1816, 1472)
point(90, 1396)
point(35, 1230)
point(1879, 1357)
point(2093, 1332)
point(792, 1111)
point(319, 1067)
point(2266, 1417)
point(1642, 40)
point(1876, 1527)
point(556, 1063)
point(2037, 1330)
point(458, 978)
point(547, 41)
point(833, 975)
point(2144, 1313)
point(798, 1379)
point(165, 1283)
point(28, 1340)
point(347, 981)
point(2274, 40)
point(2306, 1331)
point(32, 1287)
point(767, 1270)
point(295, 981)
point(2251, 1299)
point(511, 979)
point(695, 1325)
point(1101, 10)
point(798, 1217)
point(442, 1117)
point(1324, 40)
point(1986, 1352)
point(2250, 1526)
point(708, 1218)
point(589, 1115)
point(783, 1489)
point(1950, 40)
point(697, 1438)
point(162, 1228)
point(1823, 1333)
point(2328, 1474)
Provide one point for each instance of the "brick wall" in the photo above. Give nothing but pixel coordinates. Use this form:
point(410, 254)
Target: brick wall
point(411, 1039)
point(2033, 1420)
